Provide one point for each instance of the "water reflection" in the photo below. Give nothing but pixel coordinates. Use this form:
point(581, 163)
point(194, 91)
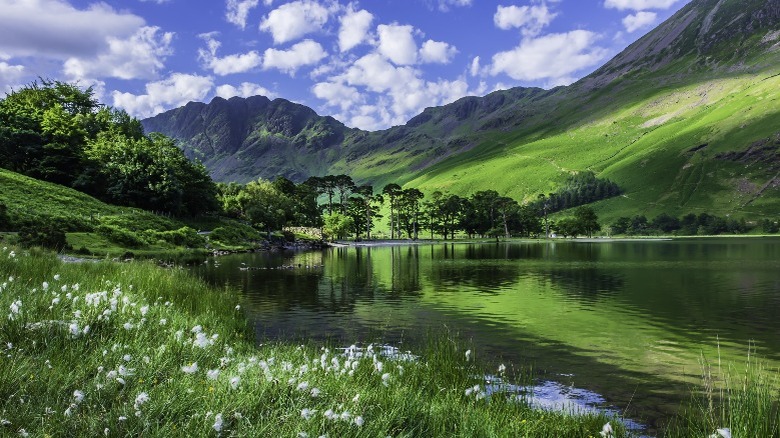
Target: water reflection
point(629, 320)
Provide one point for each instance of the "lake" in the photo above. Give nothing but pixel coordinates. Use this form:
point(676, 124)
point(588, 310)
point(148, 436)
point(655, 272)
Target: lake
point(632, 321)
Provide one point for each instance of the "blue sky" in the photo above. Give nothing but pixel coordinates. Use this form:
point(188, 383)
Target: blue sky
point(371, 64)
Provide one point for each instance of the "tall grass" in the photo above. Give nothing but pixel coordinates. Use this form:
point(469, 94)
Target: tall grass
point(109, 349)
point(742, 400)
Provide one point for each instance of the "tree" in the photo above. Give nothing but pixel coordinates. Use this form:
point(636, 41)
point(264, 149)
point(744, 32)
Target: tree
point(264, 205)
point(587, 220)
point(391, 192)
point(344, 185)
point(409, 211)
point(568, 227)
point(336, 225)
point(364, 208)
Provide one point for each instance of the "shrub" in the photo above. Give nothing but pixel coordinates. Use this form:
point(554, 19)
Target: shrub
point(184, 236)
point(234, 234)
point(47, 235)
point(121, 236)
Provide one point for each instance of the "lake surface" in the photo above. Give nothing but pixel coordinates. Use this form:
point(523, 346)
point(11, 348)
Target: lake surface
point(629, 320)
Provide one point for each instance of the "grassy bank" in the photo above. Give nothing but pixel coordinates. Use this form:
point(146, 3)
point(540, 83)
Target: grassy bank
point(131, 349)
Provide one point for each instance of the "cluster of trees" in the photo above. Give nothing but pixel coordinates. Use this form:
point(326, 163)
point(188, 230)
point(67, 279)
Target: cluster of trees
point(688, 225)
point(579, 189)
point(60, 133)
point(351, 209)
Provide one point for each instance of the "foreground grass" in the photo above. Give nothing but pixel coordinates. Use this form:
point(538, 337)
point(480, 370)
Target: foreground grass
point(130, 349)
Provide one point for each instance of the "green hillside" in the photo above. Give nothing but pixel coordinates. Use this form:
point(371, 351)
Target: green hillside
point(685, 120)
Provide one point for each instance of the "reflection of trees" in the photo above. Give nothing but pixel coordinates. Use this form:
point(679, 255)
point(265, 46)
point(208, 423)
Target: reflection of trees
point(585, 283)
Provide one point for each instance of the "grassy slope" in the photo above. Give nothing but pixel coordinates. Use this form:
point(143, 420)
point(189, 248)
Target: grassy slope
point(642, 140)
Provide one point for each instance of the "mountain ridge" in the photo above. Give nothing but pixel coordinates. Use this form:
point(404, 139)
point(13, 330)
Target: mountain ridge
point(703, 56)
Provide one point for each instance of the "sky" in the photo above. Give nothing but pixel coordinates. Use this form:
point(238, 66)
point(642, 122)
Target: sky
point(371, 64)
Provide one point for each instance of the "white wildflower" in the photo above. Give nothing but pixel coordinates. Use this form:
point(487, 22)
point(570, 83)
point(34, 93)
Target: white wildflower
point(212, 374)
point(217, 423)
point(502, 368)
point(234, 382)
point(303, 386)
point(122, 418)
point(78, 396)
point(23, 433)
point(356, 398)
point(607, 431)
point(140, 399)
point(189, 369)
point(45, 285)
point(307, 413)
point(385, 378)
point(197, 329)
point(163, 321)
point(315, 392)
point(468, 355)
point(144, 310)
point(128, 326)
point(56, 277)
point(74, 329)
point(358, 421)
point(127, 358)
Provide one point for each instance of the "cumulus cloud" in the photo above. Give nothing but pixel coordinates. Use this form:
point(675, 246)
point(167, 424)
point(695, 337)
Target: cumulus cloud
point(238, 11)
point(10, 75)
point(337, 94)
point(354, 28)
point(396, 43)
point(437, 52)
point(306, 52)
point(531, 19)
point(55, 29)
point(292, 21)
point(141, 56)
point(176, 90)
point(230, 64)
point(372, 93)
point(245, 89)
point(639, 5)
point(639, 20)
point(549, 57)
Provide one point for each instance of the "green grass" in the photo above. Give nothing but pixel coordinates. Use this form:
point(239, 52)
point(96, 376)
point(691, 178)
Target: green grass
point(126, 376)
point(640, 137)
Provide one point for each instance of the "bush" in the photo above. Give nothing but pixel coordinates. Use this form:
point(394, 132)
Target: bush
point(184, 236)
point(235, 234)
point(47, 235)
point(121, 236)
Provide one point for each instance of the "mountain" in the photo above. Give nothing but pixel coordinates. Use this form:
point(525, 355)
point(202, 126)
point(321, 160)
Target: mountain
point(685, 120)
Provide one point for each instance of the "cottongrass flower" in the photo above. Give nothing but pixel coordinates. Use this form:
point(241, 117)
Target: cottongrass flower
point(385, 379)
point(234, 382)
point(217, 423)
point(212, 374)
point(721, 433)
point(315, 392)
point(127, 358)
point(607, 431)
point(358, 421)
point(128, 326)
point(468, 355)
point(163, 321)
point(15, 308)
point(303, 386)
point(140, 399)
point(502, 369)
point(78, 396)
point(307, 413)
point(190, 369)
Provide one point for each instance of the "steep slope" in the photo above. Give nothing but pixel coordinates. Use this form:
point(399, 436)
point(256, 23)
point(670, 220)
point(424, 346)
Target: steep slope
point(685, 119)
point(242, 139)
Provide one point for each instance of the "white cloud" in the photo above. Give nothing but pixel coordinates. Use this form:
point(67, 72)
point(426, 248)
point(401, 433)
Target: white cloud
point(177, 90)
point(392, 94)
point(354, 28)
point(230, 64)
point(639, 20)
point(531, 19)
point(306, 52)
point(474, 69)
point(639, 5)
point(238, 11)
point(444, 5)
point(337, 94)
point(396, 43)
point(245, 89)
point(55, 29)
point(550, 56)
point(291, 21)
point(141, 56)
point(437, 52)
point(10, 76)
point(159, 2)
